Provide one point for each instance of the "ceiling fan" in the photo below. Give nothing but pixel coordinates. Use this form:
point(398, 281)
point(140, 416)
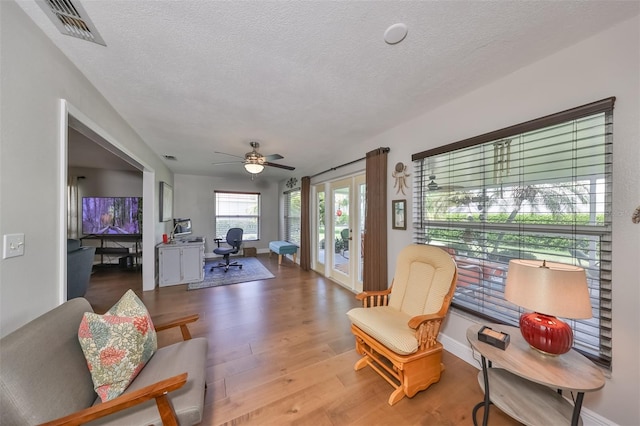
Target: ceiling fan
point(254, 162)
point(434, 186)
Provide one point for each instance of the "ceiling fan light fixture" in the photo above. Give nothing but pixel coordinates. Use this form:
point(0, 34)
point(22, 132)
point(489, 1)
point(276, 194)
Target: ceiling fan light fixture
point(253, 168)
point(254, 162)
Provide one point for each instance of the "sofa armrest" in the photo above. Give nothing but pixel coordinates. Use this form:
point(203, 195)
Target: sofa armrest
point(374, 298)
point(180, 322)
point(79, 267)
point(157, 391)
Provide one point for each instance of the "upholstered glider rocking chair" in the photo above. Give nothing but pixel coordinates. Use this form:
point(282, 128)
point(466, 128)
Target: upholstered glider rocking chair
point(397, 328)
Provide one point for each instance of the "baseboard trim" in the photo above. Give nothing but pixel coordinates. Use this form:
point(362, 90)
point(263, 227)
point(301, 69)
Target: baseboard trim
point(465, 353)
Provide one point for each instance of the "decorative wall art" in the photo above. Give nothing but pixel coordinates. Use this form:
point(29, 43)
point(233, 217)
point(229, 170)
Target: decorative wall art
point(400, 175)
point(292, 182)
point(399, 208)
point(166, 202)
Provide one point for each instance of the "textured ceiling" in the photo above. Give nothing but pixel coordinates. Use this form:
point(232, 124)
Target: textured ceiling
point(305, 79)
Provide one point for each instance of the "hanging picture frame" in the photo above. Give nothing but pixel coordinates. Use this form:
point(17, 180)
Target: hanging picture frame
point(399, 214)
point(166, 202)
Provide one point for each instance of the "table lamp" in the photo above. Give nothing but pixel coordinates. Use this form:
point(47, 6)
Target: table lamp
point(548, 289)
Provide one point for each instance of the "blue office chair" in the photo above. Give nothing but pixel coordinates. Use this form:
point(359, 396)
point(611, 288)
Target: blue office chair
point(234, 240)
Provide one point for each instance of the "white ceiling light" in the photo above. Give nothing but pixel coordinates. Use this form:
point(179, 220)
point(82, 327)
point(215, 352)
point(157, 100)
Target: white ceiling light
point(253, 161)
point(253, 168)
point(395, 33)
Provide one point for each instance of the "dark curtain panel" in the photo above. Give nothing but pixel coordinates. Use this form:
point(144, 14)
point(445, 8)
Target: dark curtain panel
point(375, 240)
point(305, 227)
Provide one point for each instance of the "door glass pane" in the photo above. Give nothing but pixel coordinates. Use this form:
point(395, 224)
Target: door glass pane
point(320, 236)
point(339, 226)
point(342, 230)
point(361, 210)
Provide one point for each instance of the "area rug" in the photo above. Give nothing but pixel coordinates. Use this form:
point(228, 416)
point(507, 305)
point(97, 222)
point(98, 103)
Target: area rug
point(252, 270)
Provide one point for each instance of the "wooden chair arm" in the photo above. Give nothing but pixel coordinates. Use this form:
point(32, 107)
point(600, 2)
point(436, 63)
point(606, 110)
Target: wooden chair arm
point(427, 328)
point(180, 322)
point(416, 321)
point(374, 298)
point(157, 391)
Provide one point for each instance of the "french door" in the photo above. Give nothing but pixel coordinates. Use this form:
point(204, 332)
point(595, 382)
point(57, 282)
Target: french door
point(339, 216)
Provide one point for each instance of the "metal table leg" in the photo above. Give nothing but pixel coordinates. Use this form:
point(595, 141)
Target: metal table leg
point(487, 400)
point(575, 418)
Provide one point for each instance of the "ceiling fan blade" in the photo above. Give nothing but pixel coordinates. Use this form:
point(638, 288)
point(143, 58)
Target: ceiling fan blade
point(227, 162)
point(273, 157)
point(230, 155)
point(448, 188)
point(280, 166)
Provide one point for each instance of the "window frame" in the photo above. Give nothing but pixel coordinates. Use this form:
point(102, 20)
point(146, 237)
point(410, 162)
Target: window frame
point(236, 220)
point(292, 235)
point(473, 266)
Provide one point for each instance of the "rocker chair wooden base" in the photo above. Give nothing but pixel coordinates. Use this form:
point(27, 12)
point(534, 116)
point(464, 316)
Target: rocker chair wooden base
point(402, 323)
point(408, 374)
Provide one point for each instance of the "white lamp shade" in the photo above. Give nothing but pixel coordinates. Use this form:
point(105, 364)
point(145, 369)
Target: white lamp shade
point(254, 168)
point(553, 289)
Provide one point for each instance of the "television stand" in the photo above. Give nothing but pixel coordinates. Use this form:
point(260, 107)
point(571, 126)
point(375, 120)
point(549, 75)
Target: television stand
point(118, 251)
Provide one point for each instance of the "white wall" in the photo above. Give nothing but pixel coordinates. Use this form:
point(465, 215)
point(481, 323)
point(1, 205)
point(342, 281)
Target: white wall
point(194, 198)
point(35, 76)
point(607, 64)
point(107, 183)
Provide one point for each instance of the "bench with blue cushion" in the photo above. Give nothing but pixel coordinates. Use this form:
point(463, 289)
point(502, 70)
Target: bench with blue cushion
point(283, 247)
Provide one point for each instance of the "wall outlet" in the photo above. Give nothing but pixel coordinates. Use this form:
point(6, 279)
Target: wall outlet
point(12, 245)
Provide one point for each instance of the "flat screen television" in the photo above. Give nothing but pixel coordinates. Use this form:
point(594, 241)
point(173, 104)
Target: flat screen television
point(181, 227)
point(111, 215)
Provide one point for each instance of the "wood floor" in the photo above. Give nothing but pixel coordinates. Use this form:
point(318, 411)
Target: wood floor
point(281, 353)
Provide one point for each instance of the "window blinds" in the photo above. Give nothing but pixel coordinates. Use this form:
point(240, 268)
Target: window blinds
point(292, 223)
point(538, 190)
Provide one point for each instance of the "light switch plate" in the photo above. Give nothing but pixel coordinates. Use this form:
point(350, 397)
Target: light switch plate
point(12, 245)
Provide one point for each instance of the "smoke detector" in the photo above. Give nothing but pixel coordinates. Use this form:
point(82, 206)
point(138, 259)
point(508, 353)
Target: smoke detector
point(395, 33)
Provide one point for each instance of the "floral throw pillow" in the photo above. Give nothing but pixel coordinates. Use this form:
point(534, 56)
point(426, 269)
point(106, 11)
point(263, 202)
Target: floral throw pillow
point(117, 345)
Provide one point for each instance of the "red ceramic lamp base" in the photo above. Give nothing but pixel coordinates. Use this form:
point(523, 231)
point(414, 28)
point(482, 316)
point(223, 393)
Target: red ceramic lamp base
point(546, 333)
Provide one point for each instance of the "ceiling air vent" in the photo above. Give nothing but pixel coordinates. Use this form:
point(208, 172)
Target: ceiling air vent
point(71, 19)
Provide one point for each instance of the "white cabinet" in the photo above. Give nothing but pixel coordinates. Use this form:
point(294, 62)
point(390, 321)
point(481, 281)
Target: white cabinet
point(170, 265)
point(181, 262)
point(192, 264)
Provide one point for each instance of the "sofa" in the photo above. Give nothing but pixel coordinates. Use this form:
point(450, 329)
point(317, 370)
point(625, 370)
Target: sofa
point(79, 266)
point(44, 376)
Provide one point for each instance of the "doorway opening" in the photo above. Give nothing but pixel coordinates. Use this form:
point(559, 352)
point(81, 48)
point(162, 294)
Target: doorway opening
point(72, 118)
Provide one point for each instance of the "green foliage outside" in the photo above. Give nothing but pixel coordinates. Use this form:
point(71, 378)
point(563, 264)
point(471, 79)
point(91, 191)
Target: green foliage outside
point(321, 209)
point(559, 201)
point(513, 239)
point(509, 245)
point(530, 218)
